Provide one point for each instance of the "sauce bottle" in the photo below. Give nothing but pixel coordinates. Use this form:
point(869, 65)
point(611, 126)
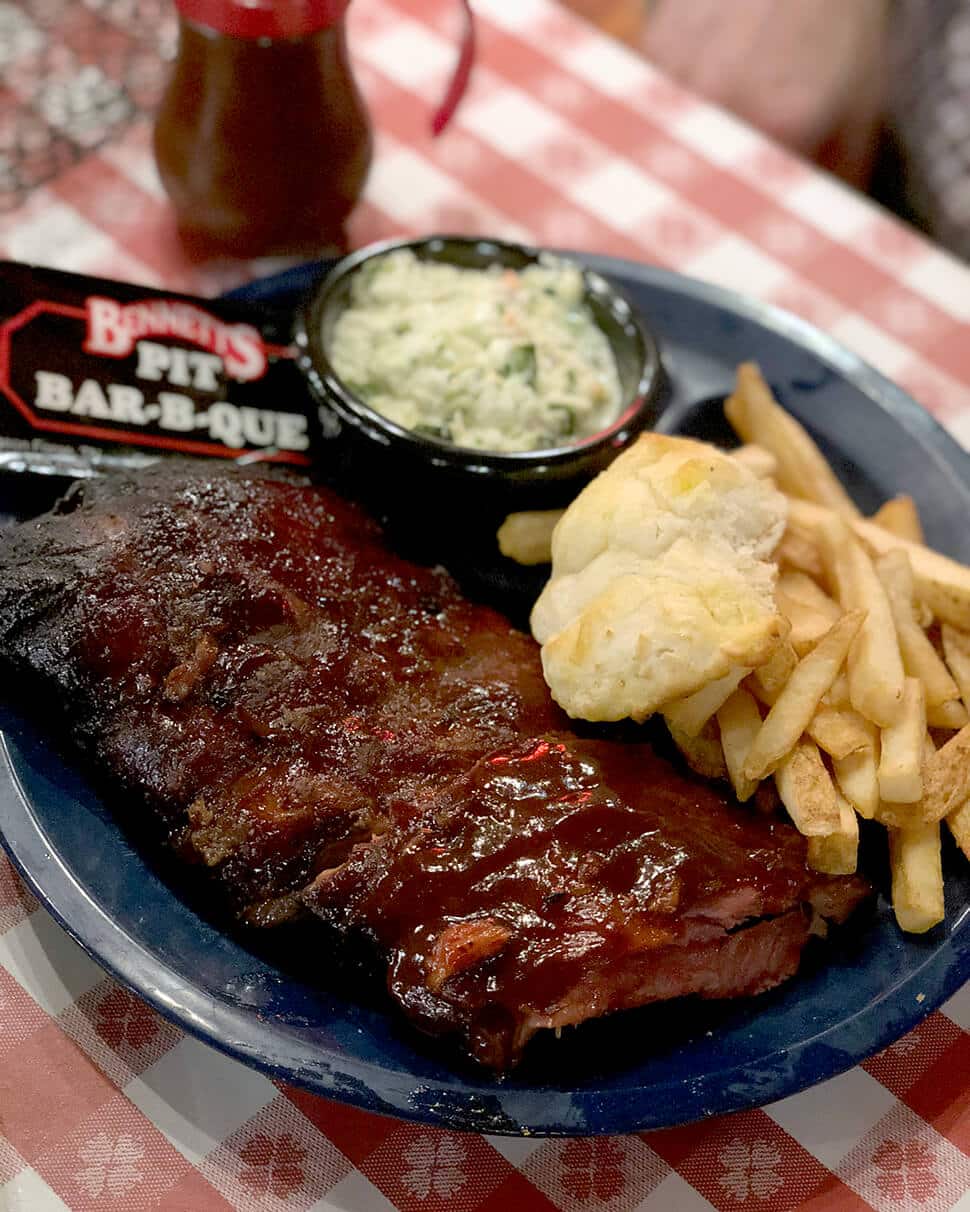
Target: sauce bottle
point(262, 139)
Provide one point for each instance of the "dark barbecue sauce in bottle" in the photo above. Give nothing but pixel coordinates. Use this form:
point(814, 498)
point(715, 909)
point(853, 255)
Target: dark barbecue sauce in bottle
point(262, 139)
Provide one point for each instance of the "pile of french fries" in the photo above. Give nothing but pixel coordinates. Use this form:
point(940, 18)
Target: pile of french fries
point(862, 710)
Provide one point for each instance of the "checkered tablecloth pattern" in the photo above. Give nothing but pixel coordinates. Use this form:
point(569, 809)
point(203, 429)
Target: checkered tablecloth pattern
point(568, 140)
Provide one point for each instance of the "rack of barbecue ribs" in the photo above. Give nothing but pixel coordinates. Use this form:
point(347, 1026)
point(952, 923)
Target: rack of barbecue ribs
point(328, 727)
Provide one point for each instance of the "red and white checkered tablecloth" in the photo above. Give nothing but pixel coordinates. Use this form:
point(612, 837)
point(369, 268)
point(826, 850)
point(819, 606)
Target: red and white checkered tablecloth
point(565, 139)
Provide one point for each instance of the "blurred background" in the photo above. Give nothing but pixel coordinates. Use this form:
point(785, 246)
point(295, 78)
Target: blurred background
point(876, 91)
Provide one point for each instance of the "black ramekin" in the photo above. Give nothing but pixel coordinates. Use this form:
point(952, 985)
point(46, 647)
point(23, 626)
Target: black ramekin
point(449, 493)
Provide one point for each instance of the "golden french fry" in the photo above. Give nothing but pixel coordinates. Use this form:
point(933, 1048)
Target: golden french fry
point(756, 416)
point(834, 539)
point(762, 462)
point(875, 667)
point(808, 625)
point(900, 517)
point(958, 822)
point(837, 694)
point(527, 537)
point(798, 551)
point(941, 583)
point(858, 779)
point(901, 760)
point(768, 680)
point(920, 658)
point(796, 703)
point(807, 791)
point(837, 853)
point(803, 588)
point(946, 777)
point(702, 753)
point(689, 715)
point(956, 649)
point(914, 854)
point(900, 816)
point(840, 733)
point(947, 715)
point(739, 721)
point(905, 816)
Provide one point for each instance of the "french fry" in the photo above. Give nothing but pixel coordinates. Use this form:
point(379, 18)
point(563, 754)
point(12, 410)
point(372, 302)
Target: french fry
point(808, 624)
point(946, 778)
point(837, 694)
point(739, 721)
point(702, 753)
point(805, 589)
point(920, 658)
point(834, 540)
point(924, 616)
point(689, 715)
point(899, 816)
point(837, 853)
point(807, 791)
point(875, 667)
point(956, 649)
point(941, 583)
point(796, 703)
point(756, 416)
point(900, 517)
point(901, 760)
point(858, 779)
point(917, 877)
point(840, 733)
point(527, 537)
point(947, 715)
point(797, 550)
point(958, 823)
point(768, 680)
point(762, 462)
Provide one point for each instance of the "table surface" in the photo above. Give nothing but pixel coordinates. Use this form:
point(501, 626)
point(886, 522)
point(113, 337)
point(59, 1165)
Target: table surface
point(569, 140)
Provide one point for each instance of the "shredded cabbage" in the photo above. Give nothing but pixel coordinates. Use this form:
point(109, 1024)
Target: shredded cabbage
point(489, 359)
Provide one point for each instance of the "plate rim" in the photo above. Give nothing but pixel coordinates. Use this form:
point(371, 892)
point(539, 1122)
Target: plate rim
point(944, 971)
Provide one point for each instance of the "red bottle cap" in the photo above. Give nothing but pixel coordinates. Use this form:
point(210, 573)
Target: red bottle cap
point(264, 18)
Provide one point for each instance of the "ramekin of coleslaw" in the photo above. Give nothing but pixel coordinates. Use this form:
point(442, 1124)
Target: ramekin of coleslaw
point(480, 346)
point(490, 359)
point(474, 371)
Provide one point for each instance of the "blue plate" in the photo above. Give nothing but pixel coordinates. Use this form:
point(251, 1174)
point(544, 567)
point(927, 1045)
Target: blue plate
point(279, 1002)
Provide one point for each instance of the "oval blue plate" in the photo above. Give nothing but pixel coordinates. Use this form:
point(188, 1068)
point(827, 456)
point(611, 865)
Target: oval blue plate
point(283, 1003)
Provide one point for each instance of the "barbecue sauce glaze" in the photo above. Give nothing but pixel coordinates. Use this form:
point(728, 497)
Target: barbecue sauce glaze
point(562, 879)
